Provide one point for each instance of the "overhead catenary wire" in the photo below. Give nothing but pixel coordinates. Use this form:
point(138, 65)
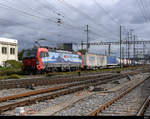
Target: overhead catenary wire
point(106, 12)
point(148, 8)
point(64, 16)
point(59, 13)
point(66, 24)
point(92, 32)
point(41, 18)
point(54, 10)
point(26, 13)
point(29, 14)
point(33, 10)
point(141, 9)
point(34, 29)
point(144, 9)
point(87, 16)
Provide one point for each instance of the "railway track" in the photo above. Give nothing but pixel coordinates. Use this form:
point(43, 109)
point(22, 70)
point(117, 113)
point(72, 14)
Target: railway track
point(60, 87)
point(125, 104)
point(43, 81)
point(48, 81)
point(145, 109)
point(45, 94)
point(32, 97)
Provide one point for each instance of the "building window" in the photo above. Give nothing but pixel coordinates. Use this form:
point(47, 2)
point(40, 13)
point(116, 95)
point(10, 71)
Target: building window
point(12, 51)
point(4, 50)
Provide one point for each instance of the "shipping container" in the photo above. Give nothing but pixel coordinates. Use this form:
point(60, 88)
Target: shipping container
point(92, 60)
point(101, 60)
point(111, 60)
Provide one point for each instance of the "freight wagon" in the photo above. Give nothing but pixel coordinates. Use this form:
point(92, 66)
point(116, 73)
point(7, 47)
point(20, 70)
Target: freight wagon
point(111, 61)
point(93, 61)
point(124, 62)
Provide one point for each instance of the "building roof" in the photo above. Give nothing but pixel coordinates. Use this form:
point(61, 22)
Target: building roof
point(8, 40)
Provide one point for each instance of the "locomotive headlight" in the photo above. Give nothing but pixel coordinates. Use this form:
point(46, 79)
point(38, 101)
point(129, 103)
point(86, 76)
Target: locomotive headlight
point(37, 62)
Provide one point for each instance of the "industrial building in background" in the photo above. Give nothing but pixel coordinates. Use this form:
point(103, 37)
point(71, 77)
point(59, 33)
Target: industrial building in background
point(8, 50)
point(66, 46)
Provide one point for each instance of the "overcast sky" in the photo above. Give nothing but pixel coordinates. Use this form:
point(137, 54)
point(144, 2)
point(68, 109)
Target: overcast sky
point(29, 20)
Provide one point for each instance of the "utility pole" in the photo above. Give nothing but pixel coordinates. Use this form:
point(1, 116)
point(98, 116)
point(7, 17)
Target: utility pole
point(87, 47)
point(131, 30)
point(109, 49)
point(120, 44)
point(143, 53)
point(123, 55)
point(126, 50)
point(129, 37)
point(128, 47)
point(82, 45)
point(134, 50)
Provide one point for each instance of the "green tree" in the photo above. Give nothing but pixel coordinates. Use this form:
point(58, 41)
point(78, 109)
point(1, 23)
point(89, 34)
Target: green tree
point(83, 51)
point(20, 54)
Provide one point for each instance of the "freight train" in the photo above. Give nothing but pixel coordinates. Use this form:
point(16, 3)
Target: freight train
point(49, 60)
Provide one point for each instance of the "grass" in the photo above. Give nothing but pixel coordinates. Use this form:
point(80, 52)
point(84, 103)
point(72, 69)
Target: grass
point(14, 64)
point(61, 73)
point(12, 76)
point(13, 70)
point(91, 71)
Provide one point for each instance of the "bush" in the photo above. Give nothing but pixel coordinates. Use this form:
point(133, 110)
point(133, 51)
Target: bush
point(9, 71)
point(14, 64)
point(13, 67)
point(13, 76)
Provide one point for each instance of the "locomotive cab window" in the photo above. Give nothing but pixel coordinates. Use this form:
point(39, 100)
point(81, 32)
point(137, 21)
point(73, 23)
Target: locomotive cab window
point(29, 54)
point(44, 54)
point(47, 55)
point(41, 54)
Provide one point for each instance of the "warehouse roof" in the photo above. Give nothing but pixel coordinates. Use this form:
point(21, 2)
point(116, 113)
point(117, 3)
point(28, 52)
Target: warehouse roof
point(8, 40)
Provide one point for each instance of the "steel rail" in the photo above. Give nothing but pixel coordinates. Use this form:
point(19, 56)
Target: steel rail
point(144, 107)
point(59, 93)
point(103, 107)
point(45, 81)
point(55, 94)
point(40, 82)
point(54, 89)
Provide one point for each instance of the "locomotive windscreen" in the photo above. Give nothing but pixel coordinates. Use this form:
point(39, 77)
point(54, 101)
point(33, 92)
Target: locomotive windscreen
point(29, 54)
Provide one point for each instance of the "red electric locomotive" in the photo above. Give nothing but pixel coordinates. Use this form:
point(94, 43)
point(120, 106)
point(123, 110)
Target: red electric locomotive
point(44, 59)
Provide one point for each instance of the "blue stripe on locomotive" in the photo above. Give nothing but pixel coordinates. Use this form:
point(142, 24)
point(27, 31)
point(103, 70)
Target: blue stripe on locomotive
point(61, 57)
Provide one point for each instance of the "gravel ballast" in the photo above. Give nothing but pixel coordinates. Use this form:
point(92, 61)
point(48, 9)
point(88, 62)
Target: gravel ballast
point(82, 107)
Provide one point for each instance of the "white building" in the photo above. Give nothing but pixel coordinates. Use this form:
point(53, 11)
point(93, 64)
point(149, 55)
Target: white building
point(8, 50)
